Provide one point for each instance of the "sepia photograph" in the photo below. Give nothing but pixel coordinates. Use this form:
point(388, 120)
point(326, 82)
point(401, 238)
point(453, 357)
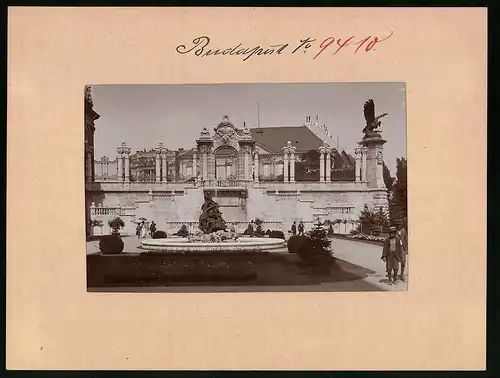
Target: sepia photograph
point(297, 187)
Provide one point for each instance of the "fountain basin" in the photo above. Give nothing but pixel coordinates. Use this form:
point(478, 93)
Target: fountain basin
point(242, 244)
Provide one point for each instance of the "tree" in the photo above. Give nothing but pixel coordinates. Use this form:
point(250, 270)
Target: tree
point(388, 179)
point(183, 231)
point(367, 219)
point(398, 203)
point(382, 219)
point(318, 238)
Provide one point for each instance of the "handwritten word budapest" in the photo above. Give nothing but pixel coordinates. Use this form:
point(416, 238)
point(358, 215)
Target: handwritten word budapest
point(201, 47)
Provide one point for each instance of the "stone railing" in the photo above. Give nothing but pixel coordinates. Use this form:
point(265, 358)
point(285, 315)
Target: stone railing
point(105, 210)
point(224, 183)
point(174, 226)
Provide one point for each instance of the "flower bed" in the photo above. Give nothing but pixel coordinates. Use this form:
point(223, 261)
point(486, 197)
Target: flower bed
point(367, 237)
point(203, 269)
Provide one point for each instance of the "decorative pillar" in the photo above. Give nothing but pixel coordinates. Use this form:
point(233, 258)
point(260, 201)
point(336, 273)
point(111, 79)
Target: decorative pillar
point(204, 143)
point(205, 165)
point(380, 169)
point(289, 157)
point(126, 153)
point(195, 168)
point(364, 155)
point(164, 170)
point(286, 177)
point(246, 162)
point(211, 164)
point(372, 146)
point(328, 152)
point(158, 162)
point(119, 159)
point(292, 164)
point(322, 164)
point(246, 144)
point(256, 167)
point(357, 166)
point(88, 163)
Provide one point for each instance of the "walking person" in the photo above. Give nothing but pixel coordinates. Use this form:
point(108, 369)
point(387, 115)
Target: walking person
point(138, 230)
point(301, 228)
point(403, 237)
point(143, 230)
point(294, 228)
point(152, 228)
point(392, 255)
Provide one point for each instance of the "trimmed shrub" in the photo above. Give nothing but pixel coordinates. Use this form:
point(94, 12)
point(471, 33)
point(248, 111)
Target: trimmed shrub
point(277, 234)
point(183, 231)
point(111, 244)
point(248, 231)
point(159, 235)
point(116, 224)
point(305, 252)
point(295, 243)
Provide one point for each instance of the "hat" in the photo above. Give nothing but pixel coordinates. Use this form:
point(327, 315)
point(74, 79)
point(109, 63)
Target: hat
point(392, 229)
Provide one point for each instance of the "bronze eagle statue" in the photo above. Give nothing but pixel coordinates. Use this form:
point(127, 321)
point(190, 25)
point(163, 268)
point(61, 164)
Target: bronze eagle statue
point(372, 122)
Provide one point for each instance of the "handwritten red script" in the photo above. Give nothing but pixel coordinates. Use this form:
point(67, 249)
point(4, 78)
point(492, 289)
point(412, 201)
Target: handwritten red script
point(200, 47)
point(366, 44)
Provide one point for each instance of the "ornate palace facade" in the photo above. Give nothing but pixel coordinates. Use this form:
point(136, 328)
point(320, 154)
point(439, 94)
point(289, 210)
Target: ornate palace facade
point(277, 174)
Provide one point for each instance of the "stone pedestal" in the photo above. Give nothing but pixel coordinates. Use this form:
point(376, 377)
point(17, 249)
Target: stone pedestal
point(373, 143)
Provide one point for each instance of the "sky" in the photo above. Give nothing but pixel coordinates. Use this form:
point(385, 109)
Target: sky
point(143, 115)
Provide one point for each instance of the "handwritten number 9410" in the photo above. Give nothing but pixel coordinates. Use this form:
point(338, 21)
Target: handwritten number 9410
point(366, 44)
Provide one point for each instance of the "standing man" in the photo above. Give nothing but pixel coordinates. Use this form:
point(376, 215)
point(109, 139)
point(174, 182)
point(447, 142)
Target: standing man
point(152, 228)
point(138, 230)
point(294, 228)
point(392, 255)
point(403, 237)
point(301, 228)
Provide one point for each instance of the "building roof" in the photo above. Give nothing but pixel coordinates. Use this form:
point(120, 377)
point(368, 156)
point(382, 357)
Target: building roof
point(275, 138)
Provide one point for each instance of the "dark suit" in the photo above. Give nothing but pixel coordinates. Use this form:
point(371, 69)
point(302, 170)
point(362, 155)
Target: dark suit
point(392, 258)
point(403, 236)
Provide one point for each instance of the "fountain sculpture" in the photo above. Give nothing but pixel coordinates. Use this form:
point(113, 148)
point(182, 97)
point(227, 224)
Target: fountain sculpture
point(213, 236)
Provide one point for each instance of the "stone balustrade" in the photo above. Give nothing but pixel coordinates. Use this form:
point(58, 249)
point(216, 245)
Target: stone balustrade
point(110, 186)
point(105, 210)
point(224, 183)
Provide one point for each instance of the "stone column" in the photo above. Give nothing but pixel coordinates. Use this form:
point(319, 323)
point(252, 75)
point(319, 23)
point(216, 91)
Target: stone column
point(210, 165)
point(195, 168)
point(380, 170)
point(246, 162)
point(357, 166)
point(164, 166)
point(328, 177)
point(256, 167)
point(322, 164)
point(205, 166)
point(292, 165)
point(89, 162)
point(158, 162)
point(119, 160)
point(127, 164)
point(285, 167)
point(363, 163)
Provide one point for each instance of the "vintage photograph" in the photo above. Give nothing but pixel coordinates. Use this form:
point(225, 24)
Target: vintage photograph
point(246, 187)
